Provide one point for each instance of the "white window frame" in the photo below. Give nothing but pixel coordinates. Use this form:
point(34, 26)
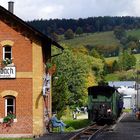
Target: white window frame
point(9, 97)
point(8, 52)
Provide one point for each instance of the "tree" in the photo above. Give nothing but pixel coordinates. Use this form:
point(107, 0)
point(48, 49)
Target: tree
point(126, 60)
point(95, 53)
point(132, 45)
point(55, 37)
point(115, 66)
point(69, 34)
point(79, 31)
point(73, 70)
point(119, 32)
point(60, 31)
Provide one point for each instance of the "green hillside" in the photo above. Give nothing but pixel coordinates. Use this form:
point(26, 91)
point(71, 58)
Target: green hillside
point(137, 62)
point(103, 38)
point(135, 32)
point(130, 73)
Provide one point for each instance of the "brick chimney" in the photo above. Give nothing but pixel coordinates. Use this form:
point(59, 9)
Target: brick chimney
point(11, 6)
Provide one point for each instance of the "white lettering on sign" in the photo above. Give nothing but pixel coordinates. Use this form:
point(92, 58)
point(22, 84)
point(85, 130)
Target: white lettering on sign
point(8, 72)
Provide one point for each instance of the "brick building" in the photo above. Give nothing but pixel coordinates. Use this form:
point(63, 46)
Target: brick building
point(21, 82)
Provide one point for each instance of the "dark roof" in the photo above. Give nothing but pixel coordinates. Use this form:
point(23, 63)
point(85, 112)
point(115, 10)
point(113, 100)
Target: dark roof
point(100, 89)
point(118, 84)
point(4, 12)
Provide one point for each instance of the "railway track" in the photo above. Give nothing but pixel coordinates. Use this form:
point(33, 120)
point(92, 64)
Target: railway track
point(88, 132)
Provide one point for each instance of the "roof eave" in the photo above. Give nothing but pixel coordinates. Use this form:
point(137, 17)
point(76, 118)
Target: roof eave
point(32, 29)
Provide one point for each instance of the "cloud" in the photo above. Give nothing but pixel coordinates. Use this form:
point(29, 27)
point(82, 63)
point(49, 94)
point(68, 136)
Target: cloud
point(46, 9)
point(48, 12)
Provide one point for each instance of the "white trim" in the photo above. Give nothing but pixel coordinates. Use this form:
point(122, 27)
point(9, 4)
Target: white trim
point(16, 135)
point(11, 105)
point(5, 106)
point(3, 55)
point(4, 51)
point(1, 120)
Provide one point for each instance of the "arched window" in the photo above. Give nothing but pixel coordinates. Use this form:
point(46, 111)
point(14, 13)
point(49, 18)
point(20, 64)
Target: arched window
point(7, 52)
point(9, 104)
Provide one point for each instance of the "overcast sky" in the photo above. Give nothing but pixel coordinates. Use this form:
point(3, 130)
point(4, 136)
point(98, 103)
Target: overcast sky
point(46, 9)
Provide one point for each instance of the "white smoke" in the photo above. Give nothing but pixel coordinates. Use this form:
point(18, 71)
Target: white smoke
point(127, 91)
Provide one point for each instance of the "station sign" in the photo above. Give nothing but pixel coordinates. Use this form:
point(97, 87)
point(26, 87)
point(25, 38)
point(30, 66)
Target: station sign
point(8, 72)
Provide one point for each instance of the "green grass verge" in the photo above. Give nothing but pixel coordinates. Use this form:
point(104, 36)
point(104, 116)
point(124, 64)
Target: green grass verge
point(15, 139)
point(76, 124)
point(127, 110)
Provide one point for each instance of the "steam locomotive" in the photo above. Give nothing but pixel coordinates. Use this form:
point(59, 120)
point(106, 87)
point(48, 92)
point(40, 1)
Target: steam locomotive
point(105, 104)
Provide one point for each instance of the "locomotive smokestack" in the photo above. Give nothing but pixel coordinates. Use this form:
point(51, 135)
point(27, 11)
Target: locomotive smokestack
point(11, 6)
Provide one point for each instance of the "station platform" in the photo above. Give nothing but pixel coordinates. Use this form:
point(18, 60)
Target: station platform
point(56, 136)
point(127, 128)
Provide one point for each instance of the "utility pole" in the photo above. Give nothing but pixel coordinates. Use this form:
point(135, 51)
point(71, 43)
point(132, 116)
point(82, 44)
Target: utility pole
point(137, 87)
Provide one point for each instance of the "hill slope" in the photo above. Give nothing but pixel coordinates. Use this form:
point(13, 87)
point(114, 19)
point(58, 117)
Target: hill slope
point(102, 38)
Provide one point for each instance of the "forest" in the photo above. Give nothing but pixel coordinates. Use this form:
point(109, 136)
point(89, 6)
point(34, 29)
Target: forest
point(88, 25)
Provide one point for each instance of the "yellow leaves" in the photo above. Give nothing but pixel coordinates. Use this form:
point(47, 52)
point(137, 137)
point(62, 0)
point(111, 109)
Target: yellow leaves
point(110, 62)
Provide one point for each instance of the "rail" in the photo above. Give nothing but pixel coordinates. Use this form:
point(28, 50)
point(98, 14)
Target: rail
point(89, 132)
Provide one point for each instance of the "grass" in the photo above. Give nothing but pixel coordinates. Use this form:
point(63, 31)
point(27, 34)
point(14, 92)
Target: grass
point(127, 110)
point(76, 124)
point(115, 76)
point(112, 77)
point(15, 139)
point(103, 38)
point(138, 61)
point(134, 32)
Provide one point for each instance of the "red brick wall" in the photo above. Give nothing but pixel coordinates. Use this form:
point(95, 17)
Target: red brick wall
point(22, 54)
point(23, 105)
point(21, 50)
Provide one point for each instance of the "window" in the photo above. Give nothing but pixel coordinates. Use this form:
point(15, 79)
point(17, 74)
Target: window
point(7, 52)
point(9, 104)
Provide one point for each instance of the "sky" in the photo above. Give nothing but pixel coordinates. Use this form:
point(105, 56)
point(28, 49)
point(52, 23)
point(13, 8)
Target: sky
point(52, 9)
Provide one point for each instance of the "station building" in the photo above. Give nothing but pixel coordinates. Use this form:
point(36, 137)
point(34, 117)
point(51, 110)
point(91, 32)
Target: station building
point(24, 52)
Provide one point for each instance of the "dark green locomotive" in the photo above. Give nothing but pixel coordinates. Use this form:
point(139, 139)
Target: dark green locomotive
point(104, 104)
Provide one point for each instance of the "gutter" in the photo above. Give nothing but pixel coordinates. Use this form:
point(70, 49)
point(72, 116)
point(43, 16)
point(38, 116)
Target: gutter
point(58, 46)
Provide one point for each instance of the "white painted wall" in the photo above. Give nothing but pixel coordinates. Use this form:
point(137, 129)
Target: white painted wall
point(127, 102)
